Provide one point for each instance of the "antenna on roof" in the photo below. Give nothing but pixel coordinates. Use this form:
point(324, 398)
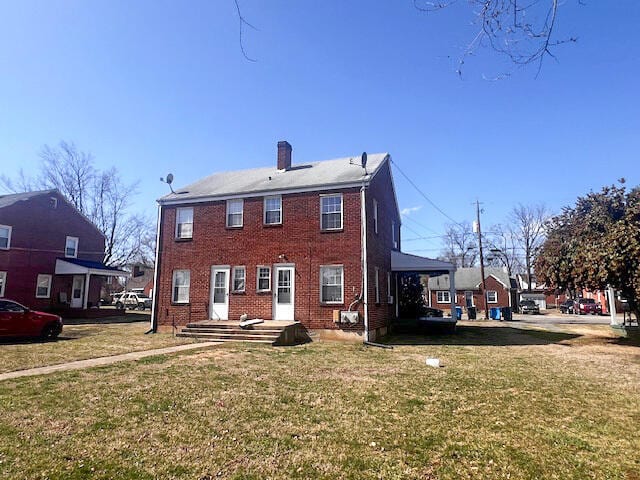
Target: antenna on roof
point(168, 181)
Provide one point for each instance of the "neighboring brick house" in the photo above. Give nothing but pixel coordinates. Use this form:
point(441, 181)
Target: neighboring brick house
point(141, 279)
point(544, 296)
point(283, 243)
point(50, 254)
point(501, 289)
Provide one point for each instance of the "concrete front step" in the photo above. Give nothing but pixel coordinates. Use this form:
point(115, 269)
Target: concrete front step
point(235, 338)
point(236, 326)
point(240, 331)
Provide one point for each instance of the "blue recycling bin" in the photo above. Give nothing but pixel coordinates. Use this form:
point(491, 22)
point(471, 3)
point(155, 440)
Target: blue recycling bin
point(494, 313)
point(458, 313)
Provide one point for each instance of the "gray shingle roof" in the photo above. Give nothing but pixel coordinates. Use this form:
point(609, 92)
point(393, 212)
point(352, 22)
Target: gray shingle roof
point(469, 279)
point(256, 181)
point(10, 199)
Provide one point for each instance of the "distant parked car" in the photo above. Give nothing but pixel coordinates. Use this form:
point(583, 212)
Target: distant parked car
point(529, 306)
point(566, 306)
point(582, 306)
point(433, 312)
point(16, 320)
point(133, 300)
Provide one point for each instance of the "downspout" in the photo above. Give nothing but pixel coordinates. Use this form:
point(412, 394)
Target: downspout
point(156, 268)
point(365, 279)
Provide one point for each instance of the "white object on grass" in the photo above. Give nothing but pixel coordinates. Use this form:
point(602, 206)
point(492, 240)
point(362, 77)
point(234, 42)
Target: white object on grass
point(433, 362)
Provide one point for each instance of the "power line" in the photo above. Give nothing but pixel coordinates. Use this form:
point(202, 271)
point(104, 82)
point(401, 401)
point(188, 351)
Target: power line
point(423, 194)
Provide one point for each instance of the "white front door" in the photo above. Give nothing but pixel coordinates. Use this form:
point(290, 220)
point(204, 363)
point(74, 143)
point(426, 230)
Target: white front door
point(284, 293)
point(77, 291)
point(220, 293)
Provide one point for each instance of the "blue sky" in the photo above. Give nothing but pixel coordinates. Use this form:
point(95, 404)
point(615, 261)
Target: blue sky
point(158, 87)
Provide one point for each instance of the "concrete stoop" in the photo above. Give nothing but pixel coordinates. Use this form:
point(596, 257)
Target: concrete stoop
point(272, 333)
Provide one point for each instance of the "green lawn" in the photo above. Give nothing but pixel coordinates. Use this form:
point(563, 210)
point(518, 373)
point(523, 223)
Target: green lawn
point(507, 404)
point(78, 342)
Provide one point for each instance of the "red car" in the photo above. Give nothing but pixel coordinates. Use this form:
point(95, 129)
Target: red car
point(583, 306)
point(19, 321)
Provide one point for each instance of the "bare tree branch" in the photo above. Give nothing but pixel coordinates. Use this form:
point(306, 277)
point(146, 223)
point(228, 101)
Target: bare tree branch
point(242, 22)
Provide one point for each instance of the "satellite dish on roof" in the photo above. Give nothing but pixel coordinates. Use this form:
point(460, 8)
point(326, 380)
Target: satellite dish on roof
point(363, 160)
point(168, 181)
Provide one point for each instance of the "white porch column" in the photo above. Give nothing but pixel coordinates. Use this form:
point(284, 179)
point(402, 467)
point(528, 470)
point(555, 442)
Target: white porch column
point(452, 292)
point(612, 306)
point(85, 300)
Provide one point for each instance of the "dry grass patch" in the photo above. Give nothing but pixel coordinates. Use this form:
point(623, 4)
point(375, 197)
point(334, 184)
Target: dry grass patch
point(79, 342)
point(518, 409)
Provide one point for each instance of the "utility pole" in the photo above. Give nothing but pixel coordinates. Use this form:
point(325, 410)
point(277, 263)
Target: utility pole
point(484, 287)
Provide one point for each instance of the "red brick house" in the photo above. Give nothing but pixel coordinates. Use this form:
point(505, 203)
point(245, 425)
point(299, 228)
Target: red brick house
point(501, 289)
point(50, 254)
point(282, 243)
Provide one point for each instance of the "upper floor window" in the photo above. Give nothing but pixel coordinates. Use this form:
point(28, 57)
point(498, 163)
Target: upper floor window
point(181, 286)
point(331, 212)
point(272, 210)
point(389, 290)
point(234, 212)
point(3, 282)
point(443, 296)
point(377, 284)
point(71, 247)
point(332, 284)
point(394, 235)
point(5, 237)
point(239, 279)
point(43, 286)
point(375, 215)
point(492, 296)
point(184, 223)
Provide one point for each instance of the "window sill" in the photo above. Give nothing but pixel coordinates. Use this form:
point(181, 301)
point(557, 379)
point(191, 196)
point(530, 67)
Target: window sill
point(239, 227)
point(332, 304)
point(180, 304)
point(239, 292)
point(263, 292)
point(332, 230)
point(180, 240)
point(272, 225)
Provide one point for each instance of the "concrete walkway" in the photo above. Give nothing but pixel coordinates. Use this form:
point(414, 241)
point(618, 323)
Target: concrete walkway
point(97, 362)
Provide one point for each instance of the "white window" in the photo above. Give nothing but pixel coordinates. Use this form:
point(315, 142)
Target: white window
point(377, 284)
point(264, 279)
point(492, 296)
point(331, 212)
point(184, 223)
point(272, 210)
point(181, 284)
point(443, 296)
point(239, 279)
point(389, 290)
point(43, 288)
point(394, 235)
point(331, 284)
point(234, 212)
point(375, 215)
point(3, 282)
point(71, 247)
point(5, 237)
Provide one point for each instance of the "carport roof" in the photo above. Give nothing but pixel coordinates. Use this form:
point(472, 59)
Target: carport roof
point(405, 262)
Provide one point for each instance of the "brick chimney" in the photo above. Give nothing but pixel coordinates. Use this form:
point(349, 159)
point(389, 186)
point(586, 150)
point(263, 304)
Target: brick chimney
point(284, 155)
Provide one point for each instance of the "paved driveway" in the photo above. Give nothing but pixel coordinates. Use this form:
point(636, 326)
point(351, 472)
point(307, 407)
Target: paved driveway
point(555, 318)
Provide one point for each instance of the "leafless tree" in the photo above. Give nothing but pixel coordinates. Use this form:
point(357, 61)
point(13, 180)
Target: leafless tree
point(460, 245)
point(503, 248)
point(102, 196)
point(528, 225)
point(523, 31)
